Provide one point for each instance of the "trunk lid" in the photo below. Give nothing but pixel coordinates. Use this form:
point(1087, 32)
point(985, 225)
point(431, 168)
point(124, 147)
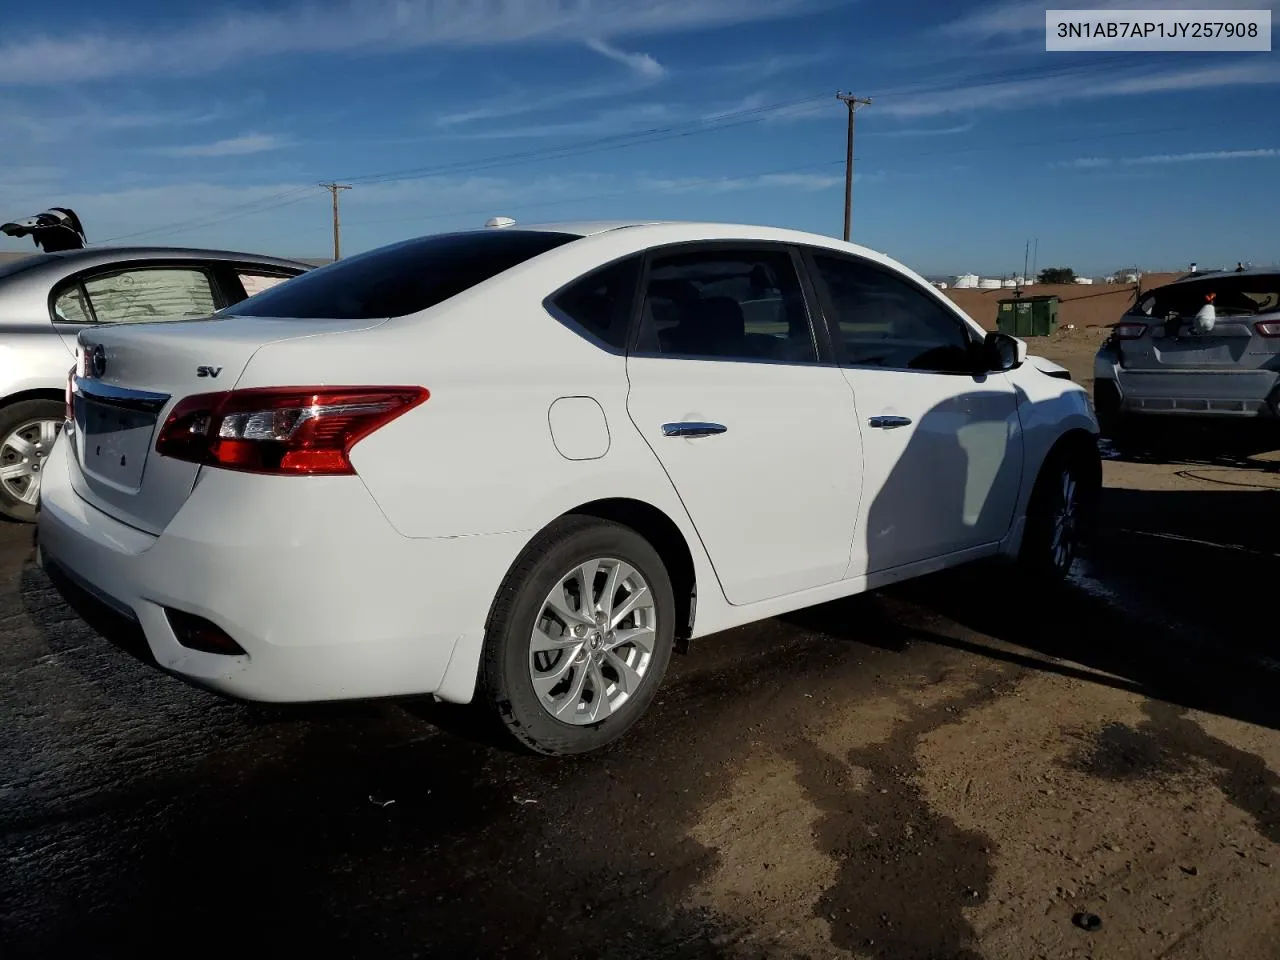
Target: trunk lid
point(129, 377)
point(1172, 342)
point(1160, 348)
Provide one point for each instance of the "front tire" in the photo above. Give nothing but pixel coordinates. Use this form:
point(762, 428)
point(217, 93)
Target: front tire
point(579, 636)
point(28, 430)
point(1061, 513)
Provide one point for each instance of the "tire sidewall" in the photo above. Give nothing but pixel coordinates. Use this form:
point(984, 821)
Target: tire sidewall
point(11, 417)
point(510, 684)
point(1037, 555)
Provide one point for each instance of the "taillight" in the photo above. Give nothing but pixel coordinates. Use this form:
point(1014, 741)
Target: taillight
point(291, 430)
point(69, 410)
point(1268, 328)
point(1129, 330)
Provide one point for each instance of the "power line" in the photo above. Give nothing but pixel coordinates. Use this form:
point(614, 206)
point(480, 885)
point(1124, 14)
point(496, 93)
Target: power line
point(706, 181)
point(217, 216)
point(714, 123)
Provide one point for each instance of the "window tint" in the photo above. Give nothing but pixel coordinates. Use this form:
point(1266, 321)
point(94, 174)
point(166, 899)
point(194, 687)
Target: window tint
point(402, 278)
point(70, 306)
point(158, 293)
point(726, 304)
point(601, 301)
point(883, 320)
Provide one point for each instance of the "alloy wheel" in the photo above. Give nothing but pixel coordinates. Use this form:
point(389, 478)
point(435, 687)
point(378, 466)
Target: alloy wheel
point(593, 642)
point(22, 457)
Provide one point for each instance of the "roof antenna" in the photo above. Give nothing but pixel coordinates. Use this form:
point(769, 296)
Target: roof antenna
point(500, 222)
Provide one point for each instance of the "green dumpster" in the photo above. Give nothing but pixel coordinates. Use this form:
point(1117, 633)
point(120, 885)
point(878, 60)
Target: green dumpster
point(1028, 316)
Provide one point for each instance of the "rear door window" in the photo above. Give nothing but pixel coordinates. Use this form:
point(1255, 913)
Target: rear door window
point(726, 304)
point(145, 294)
point(403, 278)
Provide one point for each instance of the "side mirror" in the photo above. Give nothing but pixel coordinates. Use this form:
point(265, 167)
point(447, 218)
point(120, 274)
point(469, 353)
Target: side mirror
point(1001, 352)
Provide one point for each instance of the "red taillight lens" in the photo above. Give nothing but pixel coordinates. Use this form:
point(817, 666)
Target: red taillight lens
point(292, 430)
point(1268, 328)
point(1130, 330)
point(69, 410)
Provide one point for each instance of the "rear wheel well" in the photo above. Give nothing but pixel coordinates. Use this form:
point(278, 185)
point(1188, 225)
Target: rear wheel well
point(665, 537)
point(39, 394)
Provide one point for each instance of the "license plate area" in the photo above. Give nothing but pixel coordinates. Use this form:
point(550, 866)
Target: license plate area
point(114, 442)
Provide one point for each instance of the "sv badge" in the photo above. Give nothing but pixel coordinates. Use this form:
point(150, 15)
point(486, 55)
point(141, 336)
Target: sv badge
point(208, 371)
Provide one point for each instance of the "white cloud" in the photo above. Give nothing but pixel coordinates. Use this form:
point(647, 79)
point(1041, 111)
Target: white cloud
point(926, 131)
point(805, 182)
point(631, 119)
point(29, 126)
point(1260, 153)
point(248, 217)
point(954, 97)
point(641, 63)
point(211, 43)
point(513, 106)
point(1095, 163)
point(232, 147)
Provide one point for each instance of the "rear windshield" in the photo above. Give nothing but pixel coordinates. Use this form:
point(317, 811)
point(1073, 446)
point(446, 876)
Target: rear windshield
point(1231, 295)
point(402, 278)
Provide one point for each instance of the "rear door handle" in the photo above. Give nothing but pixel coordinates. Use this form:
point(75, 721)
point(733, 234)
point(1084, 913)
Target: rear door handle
point(692, 428)
point(889, 423)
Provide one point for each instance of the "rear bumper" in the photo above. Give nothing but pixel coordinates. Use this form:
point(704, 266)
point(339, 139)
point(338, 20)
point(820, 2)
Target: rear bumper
point(305, 574)
point(1236, 395)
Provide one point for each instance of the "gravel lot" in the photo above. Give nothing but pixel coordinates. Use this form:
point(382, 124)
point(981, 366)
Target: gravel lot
point(952, 769)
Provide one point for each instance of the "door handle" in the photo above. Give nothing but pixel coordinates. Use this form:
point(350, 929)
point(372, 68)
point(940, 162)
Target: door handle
point(692, 428)
point(889, 423)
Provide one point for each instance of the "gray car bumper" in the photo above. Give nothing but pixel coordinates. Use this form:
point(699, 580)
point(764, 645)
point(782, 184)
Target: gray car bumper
point(1207, 393)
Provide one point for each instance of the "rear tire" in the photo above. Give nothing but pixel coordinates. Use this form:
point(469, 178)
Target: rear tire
point(1062, 511)
point(27, 431)
point(568, 677)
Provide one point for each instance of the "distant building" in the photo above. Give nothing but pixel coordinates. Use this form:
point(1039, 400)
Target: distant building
point(966, 281)
point(1084, 279)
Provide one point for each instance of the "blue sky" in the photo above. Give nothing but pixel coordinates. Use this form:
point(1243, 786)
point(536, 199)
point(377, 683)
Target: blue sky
point(211, 124)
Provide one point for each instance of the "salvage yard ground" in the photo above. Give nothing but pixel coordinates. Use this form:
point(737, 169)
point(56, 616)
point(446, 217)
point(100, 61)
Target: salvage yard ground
point(951, 769)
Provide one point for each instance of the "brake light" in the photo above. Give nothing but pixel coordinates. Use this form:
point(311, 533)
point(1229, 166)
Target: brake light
point(1268, 328)
point(69, 411)
point(285, 430)
point(1129, 330)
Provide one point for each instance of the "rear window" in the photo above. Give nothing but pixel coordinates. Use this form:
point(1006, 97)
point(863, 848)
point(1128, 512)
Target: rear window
point(1239, 296)
point(402, 278)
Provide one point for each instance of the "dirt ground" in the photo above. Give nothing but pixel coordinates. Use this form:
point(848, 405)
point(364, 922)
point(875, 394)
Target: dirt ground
point(1082, 306)
point(954, 769)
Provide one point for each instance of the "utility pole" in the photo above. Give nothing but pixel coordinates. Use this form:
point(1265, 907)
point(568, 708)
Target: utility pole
point(333, 188)
point(853, 103)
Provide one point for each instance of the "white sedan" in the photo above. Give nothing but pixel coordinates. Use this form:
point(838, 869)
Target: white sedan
point(524, 463)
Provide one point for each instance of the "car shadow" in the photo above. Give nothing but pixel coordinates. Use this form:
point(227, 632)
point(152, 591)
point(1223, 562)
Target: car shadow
point(1170, 603)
